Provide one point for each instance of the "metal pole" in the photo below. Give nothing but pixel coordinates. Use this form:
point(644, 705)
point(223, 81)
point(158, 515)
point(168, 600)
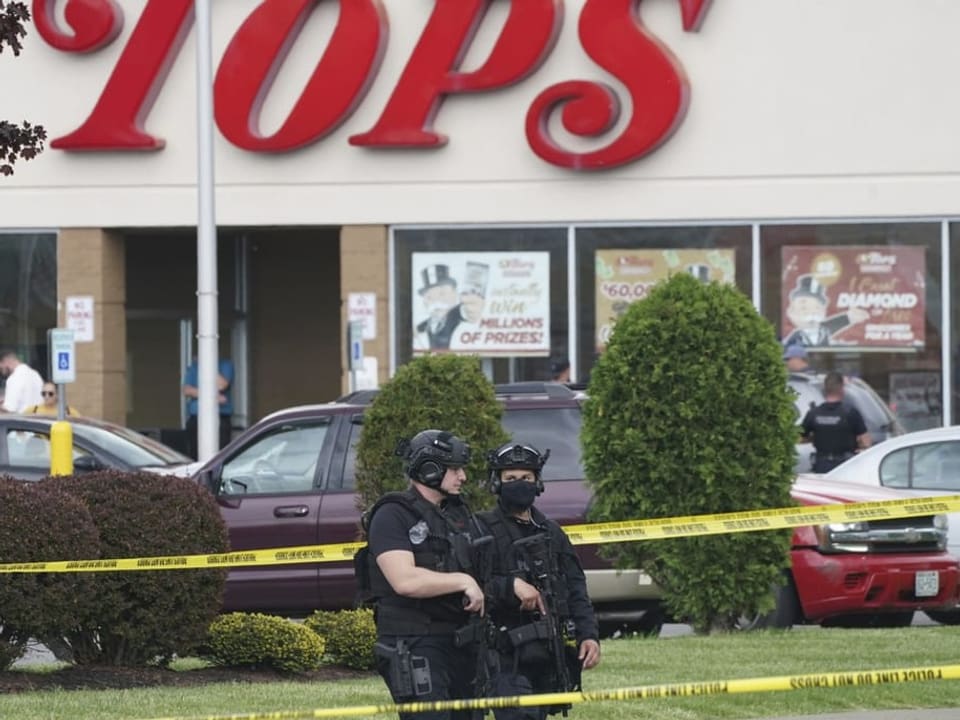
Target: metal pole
point(208, 416)
point(946, 327)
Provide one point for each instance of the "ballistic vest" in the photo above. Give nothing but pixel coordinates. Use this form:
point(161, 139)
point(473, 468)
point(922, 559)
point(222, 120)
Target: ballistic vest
point(446, 547)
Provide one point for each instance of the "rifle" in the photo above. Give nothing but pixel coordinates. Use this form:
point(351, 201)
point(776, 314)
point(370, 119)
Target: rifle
point(480, 630)
point(533, 554)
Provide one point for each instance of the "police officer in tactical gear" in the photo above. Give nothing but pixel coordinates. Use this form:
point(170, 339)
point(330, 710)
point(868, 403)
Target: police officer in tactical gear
point(546, 631)
point(420, 557)
point(836, 430)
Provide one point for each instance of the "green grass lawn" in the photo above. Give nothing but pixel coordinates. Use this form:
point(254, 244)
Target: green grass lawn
point(626, 663)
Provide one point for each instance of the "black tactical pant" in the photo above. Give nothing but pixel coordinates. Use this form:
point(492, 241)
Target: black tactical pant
point(517, 678)
point(450, 670)
point(823, 463)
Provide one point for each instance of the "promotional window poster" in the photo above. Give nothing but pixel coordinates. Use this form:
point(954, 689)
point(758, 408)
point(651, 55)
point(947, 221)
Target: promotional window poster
point(854, 297)
point(494, 304)
point(625, 276)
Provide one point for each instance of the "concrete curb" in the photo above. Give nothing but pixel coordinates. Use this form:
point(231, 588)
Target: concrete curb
point(923, 714)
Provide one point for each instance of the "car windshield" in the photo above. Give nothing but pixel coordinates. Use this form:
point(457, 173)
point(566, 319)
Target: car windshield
point(129, 447)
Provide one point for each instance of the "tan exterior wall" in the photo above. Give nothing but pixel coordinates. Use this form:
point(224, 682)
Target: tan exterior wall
point(364, 267)
point(91, 262)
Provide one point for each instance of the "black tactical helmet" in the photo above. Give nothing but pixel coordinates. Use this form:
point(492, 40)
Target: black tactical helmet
point(429, 453)
point(513, 456)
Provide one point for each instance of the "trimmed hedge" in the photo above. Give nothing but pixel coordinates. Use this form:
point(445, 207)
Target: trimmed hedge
point(40, 523)
point(689, 412)
point(257, 640)
point(441, 392)
point(349, 634)
point(150, 616)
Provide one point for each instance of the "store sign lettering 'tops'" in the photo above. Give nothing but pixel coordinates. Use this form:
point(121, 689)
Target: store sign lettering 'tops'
point(610, 32)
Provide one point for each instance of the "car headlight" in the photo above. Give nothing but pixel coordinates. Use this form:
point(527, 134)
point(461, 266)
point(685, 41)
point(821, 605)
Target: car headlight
point(940, 522)
point(850, 537)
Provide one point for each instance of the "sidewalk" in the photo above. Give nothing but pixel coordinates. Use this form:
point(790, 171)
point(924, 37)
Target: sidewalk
point(925, 714)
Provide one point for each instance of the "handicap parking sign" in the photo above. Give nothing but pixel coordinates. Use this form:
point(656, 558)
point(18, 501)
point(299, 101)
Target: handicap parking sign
point(62, 352)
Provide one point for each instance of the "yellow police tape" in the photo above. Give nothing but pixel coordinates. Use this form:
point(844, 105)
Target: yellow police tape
point(854, 678)
point(609, 532)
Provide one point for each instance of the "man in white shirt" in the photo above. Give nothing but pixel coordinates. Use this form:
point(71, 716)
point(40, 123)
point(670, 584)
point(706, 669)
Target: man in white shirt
point(24, 384)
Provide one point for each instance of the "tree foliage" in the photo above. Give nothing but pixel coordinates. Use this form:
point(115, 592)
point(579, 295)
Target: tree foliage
point(442, 392)
point(689, 413)
point(24, 141)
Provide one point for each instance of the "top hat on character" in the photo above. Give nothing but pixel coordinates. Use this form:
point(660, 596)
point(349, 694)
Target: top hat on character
point(807, 286)
point(435, 275)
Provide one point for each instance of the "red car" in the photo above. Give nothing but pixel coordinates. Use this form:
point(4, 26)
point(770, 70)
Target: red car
point(289, 481)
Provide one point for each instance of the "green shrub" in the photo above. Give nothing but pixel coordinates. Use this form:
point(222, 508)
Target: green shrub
point(42, 524)
point(350, 636)
point(324, 624)
point(443, 392)
point(148, 616)
point(256, 640)
point(689, 413)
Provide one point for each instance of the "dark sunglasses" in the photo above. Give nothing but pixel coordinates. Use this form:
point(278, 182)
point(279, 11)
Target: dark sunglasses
point(47, 393)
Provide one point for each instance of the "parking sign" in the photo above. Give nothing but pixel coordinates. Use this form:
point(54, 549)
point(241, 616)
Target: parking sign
point(63, 365)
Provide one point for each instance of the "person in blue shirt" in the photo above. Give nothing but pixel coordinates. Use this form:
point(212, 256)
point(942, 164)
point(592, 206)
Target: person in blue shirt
point(224, 388)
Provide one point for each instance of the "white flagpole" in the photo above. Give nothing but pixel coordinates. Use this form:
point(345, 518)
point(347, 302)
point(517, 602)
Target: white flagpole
point(208, 416)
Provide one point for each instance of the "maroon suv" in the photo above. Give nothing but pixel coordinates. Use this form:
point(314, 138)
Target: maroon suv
point(289, 480)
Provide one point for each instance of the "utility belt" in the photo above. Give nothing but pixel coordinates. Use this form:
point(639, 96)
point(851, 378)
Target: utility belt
point(835, 456)
point(503, 639)
point(405, 620)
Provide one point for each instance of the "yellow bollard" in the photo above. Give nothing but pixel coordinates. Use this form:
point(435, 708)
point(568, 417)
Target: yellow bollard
point(61, 448)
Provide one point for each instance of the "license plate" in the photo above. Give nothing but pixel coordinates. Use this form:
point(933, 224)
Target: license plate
point(926, 583)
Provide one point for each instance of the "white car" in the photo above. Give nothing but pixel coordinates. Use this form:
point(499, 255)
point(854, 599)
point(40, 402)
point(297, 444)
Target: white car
point(924, 463)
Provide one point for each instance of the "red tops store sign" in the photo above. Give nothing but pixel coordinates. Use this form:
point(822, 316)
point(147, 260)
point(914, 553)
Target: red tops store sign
point(610, 32)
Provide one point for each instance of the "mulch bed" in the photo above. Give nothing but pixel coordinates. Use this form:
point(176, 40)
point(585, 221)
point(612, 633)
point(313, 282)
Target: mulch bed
point(98, 677)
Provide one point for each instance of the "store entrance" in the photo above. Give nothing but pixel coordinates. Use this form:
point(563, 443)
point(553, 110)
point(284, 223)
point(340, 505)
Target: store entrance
point(279, 322)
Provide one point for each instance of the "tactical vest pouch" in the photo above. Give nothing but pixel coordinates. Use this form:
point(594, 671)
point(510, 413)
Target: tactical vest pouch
point(361, 571)
point(531, 643)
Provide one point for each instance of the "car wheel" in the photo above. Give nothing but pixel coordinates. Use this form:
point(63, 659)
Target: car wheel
point(944, 617)
point(785, 614)
point(649, 625)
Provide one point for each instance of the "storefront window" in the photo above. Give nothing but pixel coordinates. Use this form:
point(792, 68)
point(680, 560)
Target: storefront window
point(955, 319)
point(28, 295)
point(619, 265)
point(499, 293)
point(863, 299)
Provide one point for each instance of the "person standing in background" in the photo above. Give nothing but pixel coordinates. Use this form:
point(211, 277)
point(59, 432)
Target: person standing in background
point(224, 396)
point(836, 430)
point(24, 384)
point(560, 370)
point(49, 404)
point(795, 358)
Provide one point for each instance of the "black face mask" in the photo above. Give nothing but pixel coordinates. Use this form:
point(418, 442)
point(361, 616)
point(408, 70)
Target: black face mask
point(518, 494)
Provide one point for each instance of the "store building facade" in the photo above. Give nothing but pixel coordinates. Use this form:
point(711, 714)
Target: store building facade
point(526, 169)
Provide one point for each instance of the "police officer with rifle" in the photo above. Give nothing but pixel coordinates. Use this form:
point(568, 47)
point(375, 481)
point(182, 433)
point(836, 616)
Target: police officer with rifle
point(418, 570)
point(544, 631)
